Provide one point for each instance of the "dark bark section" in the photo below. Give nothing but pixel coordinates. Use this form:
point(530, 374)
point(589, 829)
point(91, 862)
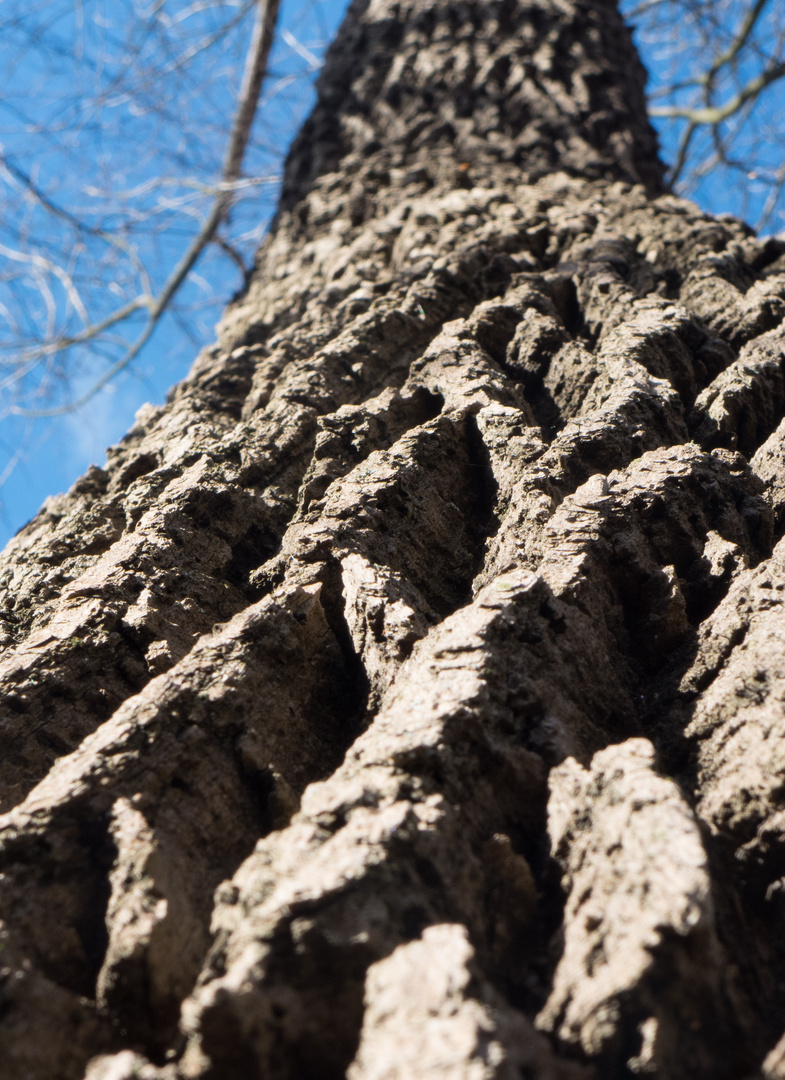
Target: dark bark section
point(404, 698)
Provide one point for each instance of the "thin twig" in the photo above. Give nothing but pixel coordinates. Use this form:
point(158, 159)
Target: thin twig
point(255, 71)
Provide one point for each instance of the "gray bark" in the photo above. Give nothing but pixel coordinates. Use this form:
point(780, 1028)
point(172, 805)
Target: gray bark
point(405, 697)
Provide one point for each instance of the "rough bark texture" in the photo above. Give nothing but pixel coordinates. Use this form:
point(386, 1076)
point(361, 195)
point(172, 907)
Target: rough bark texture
point(405, 697)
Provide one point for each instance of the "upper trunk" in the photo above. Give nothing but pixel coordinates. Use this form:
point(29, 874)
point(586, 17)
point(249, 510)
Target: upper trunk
point(414, 677)
point(503, 90)
point(417, 97)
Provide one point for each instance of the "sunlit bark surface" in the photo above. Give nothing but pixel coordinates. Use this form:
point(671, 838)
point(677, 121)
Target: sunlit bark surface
point(405, 697)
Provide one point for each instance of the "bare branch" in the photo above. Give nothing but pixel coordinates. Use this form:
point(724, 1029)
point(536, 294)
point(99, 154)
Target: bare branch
point(743, 36)
point(716, 114)
point(255, 70)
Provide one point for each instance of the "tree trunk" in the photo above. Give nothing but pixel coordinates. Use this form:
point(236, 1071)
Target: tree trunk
point(404, 699)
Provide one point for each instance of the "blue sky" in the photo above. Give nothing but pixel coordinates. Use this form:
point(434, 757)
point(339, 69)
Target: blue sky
point(73, 118)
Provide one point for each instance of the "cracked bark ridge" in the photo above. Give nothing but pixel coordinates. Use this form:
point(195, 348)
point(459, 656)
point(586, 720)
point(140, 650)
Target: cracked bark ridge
point(404, 697)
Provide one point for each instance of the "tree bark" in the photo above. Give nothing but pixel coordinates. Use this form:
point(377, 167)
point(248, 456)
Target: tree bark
point(405, 697)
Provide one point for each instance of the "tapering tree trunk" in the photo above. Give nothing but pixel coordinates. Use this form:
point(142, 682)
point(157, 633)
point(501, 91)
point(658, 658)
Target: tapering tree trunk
point(405, 698)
